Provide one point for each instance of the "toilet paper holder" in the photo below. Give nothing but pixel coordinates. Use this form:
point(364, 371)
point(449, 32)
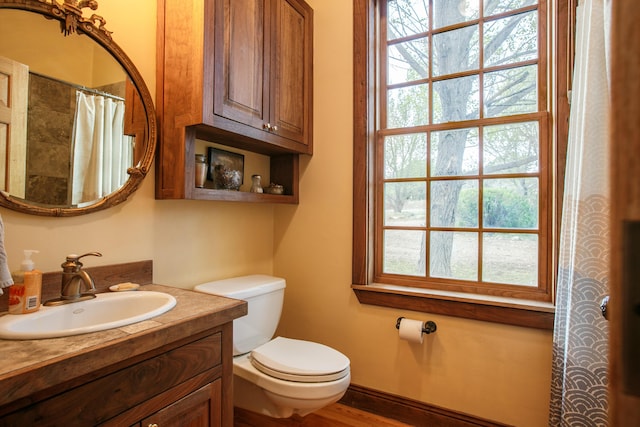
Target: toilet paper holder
point(428, 327)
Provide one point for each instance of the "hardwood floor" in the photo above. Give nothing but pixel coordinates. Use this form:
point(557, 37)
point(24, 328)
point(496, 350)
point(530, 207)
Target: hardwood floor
point(336, 415)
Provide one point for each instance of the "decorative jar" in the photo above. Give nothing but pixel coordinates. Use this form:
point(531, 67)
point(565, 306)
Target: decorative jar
point(256, 184)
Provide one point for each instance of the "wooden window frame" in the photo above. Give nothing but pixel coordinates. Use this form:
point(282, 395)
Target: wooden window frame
point(506, 310)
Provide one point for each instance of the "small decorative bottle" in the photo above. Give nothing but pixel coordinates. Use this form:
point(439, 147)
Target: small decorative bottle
point(201, 170)
point(256, 186)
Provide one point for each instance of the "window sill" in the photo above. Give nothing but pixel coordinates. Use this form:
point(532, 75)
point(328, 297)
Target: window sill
point(510, 311)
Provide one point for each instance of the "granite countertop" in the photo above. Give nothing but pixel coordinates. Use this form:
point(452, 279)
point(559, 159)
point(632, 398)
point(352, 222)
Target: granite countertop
point(33, 366)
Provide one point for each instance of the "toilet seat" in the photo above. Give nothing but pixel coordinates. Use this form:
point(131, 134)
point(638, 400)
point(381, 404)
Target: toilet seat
point(299, 361)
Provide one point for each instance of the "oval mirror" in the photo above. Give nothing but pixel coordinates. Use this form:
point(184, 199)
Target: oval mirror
point(77, 123)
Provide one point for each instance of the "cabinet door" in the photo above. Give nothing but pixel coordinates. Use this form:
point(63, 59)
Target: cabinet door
point(263, 66)
point(240, 52)
point(291, 70)
point(198, 409)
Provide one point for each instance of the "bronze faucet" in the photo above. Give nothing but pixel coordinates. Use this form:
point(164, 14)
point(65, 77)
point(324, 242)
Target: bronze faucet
point(73, 279)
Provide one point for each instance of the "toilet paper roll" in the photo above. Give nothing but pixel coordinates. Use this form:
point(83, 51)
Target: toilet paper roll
point(411, 330)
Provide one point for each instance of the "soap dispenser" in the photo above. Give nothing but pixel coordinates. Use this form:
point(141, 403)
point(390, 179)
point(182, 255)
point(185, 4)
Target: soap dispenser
point(24, 294)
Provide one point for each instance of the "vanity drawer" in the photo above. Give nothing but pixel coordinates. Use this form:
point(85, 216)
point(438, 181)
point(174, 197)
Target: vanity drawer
point(196, 363)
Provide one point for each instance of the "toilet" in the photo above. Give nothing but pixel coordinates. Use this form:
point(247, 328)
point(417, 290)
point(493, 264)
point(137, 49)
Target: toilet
point(278, 376)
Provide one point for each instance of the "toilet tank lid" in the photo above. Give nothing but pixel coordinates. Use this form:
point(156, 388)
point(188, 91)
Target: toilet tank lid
point(242, 287)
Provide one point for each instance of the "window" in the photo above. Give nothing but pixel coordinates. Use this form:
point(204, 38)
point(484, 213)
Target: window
point(457, 138)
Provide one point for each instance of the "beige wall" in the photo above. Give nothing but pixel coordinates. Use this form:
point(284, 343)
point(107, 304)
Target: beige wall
point(488, 370)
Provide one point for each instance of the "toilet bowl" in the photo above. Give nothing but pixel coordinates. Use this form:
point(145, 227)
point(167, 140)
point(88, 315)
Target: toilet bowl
point(277, 377)
point(280, 371)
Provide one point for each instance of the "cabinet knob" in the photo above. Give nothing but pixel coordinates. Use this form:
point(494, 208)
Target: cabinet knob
point(274, 128)
point(153, 425)
point(266, 126)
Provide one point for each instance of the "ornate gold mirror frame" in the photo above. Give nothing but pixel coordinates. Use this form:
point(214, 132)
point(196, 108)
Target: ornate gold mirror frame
point(70, 15)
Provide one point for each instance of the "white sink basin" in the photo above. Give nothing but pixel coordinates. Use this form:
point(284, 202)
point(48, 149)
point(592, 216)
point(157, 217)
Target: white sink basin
point(106, 311)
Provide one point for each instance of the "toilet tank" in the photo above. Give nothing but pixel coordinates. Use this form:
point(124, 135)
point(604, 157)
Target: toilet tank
point(264, 296)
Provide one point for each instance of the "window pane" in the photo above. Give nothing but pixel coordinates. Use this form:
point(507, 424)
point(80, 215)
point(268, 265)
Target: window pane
point(512, 39)
point(458, 145)
point(449, 12)
point(454, 152)
point(405, 204)
point(405, 156)
point(467, 208)
point(453, 203)
point(510, 258)
point(510, 203)
point(511, 148)
point(453, 255)
point(448, 58)
point(408, 106)
point(404, 252)
point(494, 7)
point(407, 17)
point(511, 91)
point(455, 100)
point(408, 61)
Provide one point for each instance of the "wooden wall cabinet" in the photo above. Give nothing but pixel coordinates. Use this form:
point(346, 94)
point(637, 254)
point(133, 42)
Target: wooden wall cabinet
point(237, 73)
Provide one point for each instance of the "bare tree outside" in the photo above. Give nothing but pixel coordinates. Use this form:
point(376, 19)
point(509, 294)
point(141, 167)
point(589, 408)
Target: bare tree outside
point(460, 182)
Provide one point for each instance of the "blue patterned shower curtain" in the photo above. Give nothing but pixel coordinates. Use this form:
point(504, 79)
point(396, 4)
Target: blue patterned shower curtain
point(580, 344)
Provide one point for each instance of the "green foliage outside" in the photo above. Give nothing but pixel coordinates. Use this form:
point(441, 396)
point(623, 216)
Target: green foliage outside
point(503, 208)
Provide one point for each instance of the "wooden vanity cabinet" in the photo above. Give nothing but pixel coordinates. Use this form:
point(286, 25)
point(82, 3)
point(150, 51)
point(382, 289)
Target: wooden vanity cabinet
point(237, 73)
point(184, 383)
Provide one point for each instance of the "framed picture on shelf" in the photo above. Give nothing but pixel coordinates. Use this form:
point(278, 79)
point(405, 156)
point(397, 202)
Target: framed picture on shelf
point(226, 169)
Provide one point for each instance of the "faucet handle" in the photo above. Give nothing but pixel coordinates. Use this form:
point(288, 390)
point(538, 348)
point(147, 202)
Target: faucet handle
point(73, 261)
point(74, 257)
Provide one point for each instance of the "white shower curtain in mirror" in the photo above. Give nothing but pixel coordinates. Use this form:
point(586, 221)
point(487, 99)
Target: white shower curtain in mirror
point(101, 151)
point(580, 344)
